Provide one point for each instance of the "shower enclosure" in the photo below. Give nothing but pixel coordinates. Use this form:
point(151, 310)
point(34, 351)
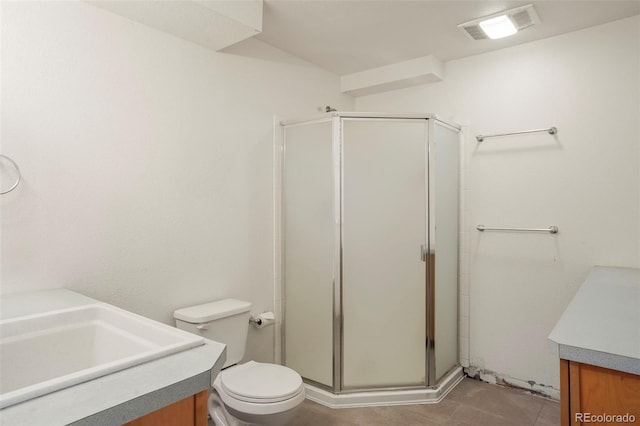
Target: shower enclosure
point(370, 251)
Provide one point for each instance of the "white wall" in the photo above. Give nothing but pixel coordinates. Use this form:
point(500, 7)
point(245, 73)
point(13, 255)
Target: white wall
point(586, 181)
point(147, 160)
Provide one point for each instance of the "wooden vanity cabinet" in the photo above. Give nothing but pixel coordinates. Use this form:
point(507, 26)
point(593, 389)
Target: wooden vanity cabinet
point(191, 411)
point(597, 391)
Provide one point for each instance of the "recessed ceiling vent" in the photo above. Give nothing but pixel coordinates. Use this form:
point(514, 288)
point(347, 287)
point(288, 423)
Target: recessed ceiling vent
point(521, 17)
point(473, 30)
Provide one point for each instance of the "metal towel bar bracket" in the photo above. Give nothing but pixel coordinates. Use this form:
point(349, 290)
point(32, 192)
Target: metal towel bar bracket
point(550, 130)
point(551, 229)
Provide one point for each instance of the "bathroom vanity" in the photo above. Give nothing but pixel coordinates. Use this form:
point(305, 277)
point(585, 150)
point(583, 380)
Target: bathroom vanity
point(169, 390)
point(598, 338)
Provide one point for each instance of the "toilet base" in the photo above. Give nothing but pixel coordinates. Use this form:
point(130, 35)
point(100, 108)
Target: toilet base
point(226, 416)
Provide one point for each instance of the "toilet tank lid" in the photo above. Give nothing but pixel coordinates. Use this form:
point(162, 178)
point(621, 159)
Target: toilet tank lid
point(212, 311)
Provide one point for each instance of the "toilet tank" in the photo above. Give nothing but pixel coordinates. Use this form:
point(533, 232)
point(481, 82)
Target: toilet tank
point(225, 321)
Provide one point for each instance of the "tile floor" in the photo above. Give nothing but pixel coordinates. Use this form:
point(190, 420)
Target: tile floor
point(471, 403)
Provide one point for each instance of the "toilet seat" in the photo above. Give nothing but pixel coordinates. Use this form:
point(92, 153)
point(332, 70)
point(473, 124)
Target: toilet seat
point(261, 383)
point(260, 388)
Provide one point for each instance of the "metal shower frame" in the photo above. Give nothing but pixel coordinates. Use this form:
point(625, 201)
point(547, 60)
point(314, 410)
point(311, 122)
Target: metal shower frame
point(336, 119)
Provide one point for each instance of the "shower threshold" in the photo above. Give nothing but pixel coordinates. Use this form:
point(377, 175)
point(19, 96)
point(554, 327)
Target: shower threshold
point(431, 395)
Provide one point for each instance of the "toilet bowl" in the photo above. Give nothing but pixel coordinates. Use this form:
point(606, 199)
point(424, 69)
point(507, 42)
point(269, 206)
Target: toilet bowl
point(257, 394)
point(252, 393)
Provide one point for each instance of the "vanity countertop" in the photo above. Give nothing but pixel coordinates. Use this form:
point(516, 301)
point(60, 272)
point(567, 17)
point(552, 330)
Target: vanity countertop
point(601, 325)
point(115, 398)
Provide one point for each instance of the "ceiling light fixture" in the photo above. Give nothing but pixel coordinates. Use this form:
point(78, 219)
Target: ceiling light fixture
point(498, 27)
point(501, 24)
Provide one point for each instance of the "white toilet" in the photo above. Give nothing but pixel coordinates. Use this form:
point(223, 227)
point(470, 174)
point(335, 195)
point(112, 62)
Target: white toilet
point(253, 393)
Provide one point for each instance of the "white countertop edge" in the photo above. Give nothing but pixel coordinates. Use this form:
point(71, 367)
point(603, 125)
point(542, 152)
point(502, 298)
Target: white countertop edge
point(600, 359)
point(125, 395)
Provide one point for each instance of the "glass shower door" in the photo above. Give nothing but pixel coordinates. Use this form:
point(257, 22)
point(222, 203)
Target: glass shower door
point(444, 161)
point(308, 270)
point(383, 249)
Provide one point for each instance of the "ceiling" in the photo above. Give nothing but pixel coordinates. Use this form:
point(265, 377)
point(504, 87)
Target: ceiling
point(347, 36)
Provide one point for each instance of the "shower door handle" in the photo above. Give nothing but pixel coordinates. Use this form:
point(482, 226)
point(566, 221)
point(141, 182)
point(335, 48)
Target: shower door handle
point(423, 253)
